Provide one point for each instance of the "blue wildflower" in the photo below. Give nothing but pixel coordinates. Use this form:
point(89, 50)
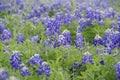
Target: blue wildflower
point(2, 27)
point(6, 35)
point(47, 43)
point(67, 36)
point(35, 39)
point(44, 69)
point(82, 23)
point(87, 58)
point(118, 71)
point(101, 23)
point(3, 74)
point(97, 40)
point(25, 71)
point(36, 59)
point(15, 60)
point(61, 40)
point(75, 65)
point(20, 38)
point(79, 42)
point(102, 62)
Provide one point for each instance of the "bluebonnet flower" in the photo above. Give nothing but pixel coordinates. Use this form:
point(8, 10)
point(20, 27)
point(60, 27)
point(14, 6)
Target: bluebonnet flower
point(67, 19)
point(48, 43)
point(110, 13)
point(87, 58)
point(2, 27)
point(36, 59)
point(44, 69)
point(79, 42)
point(3, 74)
point(22, 22)
point(6, 49)
point(89, 13)
point(15, 60)
point(18, 1)
point(82, 23)
point(68, 8)
point(118, 20)
point(108, 39)
point(31, 15)
point(89, 22)
point(20, 38)
point(67, 36)
point(77, 14)
point(75, 65)
point(21, 6)
point(118, 71)
point(34, 20)
point(102, 62)
point(101, 23)
point(61, 40)
point(35, 39)
point(97, 15)
point(60, 17)
point(97, 40)
point(6, 35)
point(25, 71)
point(52, 28)
point(113, 25)
point(79, 29)
point(107, 50)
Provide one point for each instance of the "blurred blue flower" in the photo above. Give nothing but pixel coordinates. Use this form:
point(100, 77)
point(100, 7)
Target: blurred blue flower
point(102, 62)
point(36, 59)
point(101, 23)
point(20, 38)
point(2, 27)
point(113, 25)
point(87, 58)
point(82, 23)
point(44, 69)
point(25, 71)
point(3, 74)
point(118, 71)
point(97, 40)
point(79, 42)
point(48, 43)
point(15, 60)
point(18, 1)
point(67, 37)
point(6, 35)
point(35, 39)
point(75, 65)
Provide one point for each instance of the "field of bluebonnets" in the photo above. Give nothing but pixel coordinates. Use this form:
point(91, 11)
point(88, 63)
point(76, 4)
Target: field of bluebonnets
point(59, 40)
